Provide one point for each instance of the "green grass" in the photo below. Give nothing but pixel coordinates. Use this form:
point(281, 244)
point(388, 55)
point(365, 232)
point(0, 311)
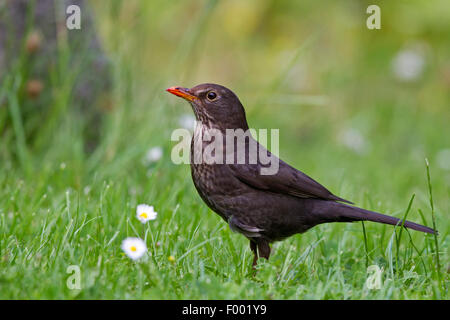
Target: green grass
point(45, 229)
point(60, 206)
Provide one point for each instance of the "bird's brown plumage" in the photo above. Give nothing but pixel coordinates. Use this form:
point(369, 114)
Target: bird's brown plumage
point(264, 208)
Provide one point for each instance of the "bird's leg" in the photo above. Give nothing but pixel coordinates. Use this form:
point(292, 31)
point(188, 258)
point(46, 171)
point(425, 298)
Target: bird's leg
point(255, 253)
point(264, 249)
point(260, 248)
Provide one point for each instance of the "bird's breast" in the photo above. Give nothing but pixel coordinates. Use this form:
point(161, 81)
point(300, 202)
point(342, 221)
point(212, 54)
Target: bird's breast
point(213, 181)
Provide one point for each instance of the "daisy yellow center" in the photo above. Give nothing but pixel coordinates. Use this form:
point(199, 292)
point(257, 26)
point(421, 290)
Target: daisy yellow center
point(144, 215)
point(133, 248)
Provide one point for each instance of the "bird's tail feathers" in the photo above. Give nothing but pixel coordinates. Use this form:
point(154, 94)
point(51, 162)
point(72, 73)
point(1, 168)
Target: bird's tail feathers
point(345, 213)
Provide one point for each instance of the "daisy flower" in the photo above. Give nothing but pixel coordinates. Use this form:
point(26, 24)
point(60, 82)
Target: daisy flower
point(408, 65)
point(154, 154)
point(187, 121)
point(145, 213)
point(354, 140)
point(134, 247)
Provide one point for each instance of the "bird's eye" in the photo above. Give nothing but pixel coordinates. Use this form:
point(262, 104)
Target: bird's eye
point(211, 96)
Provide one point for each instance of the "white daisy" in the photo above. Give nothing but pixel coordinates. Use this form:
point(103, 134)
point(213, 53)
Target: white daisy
point(154, 154)
point(134, 247)
point(187, 121)
point(145, 213)
point(354, 140)
point(408, 65)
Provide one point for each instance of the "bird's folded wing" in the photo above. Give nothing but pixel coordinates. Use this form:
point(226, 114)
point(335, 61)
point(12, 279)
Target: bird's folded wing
point(249, 231)
point(287, 180)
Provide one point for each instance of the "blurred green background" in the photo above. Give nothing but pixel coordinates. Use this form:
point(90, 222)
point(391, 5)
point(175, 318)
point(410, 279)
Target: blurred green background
point(359, 110)
point(311, 69)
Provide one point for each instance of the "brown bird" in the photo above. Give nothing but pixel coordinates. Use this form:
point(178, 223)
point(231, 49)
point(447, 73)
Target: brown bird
point(263, 207)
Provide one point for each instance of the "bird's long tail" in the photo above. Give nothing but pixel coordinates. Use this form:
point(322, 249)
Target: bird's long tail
point(339, 212)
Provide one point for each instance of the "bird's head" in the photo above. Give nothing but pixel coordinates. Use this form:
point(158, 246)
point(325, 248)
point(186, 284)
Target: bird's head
point(214, 105)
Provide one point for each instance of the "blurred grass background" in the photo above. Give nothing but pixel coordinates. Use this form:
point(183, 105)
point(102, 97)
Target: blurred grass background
point(359, 110)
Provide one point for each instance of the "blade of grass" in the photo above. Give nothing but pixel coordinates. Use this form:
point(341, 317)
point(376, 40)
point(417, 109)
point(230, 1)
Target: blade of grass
point(19, 131)
point(398, 239)
point(418, 252)
point(365, 244)
point(389, 251)
point(430, 190)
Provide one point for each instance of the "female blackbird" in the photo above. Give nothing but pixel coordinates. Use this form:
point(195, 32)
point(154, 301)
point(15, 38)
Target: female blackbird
point(263, 207)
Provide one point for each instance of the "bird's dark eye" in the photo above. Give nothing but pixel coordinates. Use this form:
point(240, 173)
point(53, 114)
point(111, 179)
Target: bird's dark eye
point(211, 95)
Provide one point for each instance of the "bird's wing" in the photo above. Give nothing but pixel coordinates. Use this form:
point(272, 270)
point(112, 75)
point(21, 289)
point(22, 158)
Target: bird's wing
point(287, 180)
point(239, 226)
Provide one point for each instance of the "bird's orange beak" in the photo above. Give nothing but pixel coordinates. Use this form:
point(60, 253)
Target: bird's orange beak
point(182, 92)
